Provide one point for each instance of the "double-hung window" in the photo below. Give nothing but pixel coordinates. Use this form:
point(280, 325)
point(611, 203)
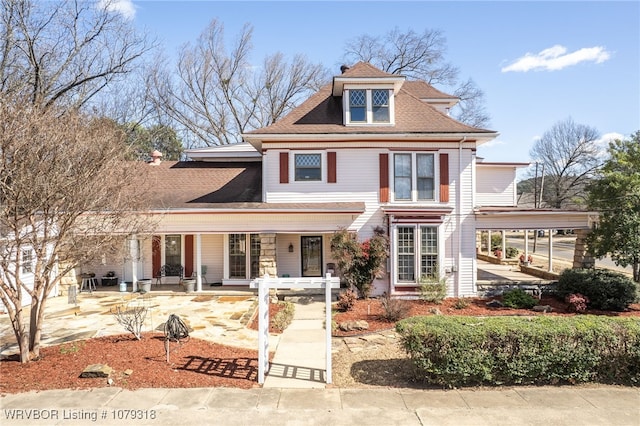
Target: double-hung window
point(413, 177)
point(416, 253)
point(369, 106)
point(308, 167)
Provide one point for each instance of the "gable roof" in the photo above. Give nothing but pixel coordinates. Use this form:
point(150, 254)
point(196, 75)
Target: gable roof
point(366, 70)
point(423, 90)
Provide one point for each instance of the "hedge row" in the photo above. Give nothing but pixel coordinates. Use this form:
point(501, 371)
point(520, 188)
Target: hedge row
point(456, 351)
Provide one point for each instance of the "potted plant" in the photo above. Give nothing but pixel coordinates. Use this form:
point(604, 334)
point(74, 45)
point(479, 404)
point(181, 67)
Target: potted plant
point(527, 261)
point(144, 285)
point(109, 279)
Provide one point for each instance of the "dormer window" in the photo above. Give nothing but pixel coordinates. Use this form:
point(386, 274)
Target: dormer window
point(358, 106)
point(368, 106)
point(380, 100)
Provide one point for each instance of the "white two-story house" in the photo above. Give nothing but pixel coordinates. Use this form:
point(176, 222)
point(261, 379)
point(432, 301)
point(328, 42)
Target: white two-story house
point(368, 150)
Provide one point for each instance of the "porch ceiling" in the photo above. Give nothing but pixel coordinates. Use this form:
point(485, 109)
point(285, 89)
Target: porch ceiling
point(498, 218)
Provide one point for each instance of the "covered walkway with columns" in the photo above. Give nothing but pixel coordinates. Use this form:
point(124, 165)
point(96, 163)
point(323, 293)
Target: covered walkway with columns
point(501, 220)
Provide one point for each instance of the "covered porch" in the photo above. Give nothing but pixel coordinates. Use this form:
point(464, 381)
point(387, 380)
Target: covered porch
point(230, 248)
point(532, 226)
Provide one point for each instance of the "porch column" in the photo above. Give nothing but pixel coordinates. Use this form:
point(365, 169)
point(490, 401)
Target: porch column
point(504, 244)
point(581, 256)
point(268, 264)
point(489, 248)
point(133, 252)
point(526, 244)
point(198, 262)
point(550, 250)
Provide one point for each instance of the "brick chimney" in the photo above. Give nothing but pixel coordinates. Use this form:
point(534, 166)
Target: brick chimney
point(156, 158)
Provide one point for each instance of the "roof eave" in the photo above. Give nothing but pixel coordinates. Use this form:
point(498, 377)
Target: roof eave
point(340, 81)
point(257, 139)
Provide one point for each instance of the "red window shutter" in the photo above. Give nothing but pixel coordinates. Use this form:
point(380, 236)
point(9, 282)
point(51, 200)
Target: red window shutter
point(331, 167)
point(156, 253)
point(284, 167)
point(444, 178)
point(188, 255)
point(384, 178)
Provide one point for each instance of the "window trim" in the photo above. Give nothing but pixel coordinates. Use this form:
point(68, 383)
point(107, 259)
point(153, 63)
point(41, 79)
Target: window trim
point(180, 241)
point(369, 115)
point(414, 177)
point(323, 166)
point(248, 240)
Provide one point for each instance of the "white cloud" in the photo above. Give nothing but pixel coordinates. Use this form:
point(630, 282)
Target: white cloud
point(125, 7)
point(493, 143)
point(556, 58)
point(603, 142)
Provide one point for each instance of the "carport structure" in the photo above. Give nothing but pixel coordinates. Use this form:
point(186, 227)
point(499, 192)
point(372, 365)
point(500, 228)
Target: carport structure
point(501, 219)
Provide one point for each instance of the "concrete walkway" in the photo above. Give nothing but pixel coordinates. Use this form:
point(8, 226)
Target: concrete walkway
point(570, 406)
point(300, 357)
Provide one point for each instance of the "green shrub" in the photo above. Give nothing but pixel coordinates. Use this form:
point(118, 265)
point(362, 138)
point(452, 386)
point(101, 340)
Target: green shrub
point(606, 290)
point(432, 289)
point(511, 253)
point(519, 299)
point(455, 350)
point(394, 309)
point(496, 241)
point(461, 303)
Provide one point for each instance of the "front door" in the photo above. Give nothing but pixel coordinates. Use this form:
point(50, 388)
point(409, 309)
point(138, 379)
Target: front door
point(311, 251)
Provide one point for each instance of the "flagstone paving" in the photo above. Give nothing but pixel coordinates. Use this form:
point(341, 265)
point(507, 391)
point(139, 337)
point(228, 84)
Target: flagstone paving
point(217, 318)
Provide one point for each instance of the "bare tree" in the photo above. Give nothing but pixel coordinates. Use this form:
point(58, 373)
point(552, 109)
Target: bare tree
point(421, 57)
point(217, 93)
point(66, 51)
point(65, 199)
point(570, 155)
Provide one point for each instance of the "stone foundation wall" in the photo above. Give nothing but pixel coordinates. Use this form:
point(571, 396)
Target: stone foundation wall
point(537, 272)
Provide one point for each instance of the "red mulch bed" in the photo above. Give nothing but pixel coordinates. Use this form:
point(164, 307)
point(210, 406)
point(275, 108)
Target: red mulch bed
point(274, 308)
point(371, 311)
point(192, 363)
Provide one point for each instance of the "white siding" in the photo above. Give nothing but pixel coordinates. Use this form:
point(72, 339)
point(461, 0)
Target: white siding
point(290, 263)
point(495, 186)
point(213, 256)
point(466, 272)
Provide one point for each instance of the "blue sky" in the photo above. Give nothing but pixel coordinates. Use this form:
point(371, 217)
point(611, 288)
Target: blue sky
point(537, 62)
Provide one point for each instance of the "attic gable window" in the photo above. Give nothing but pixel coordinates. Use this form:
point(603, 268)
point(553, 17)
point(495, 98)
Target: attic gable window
point(368, 106)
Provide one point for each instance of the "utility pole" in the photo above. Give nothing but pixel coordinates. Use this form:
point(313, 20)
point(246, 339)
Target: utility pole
point(535, 206)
